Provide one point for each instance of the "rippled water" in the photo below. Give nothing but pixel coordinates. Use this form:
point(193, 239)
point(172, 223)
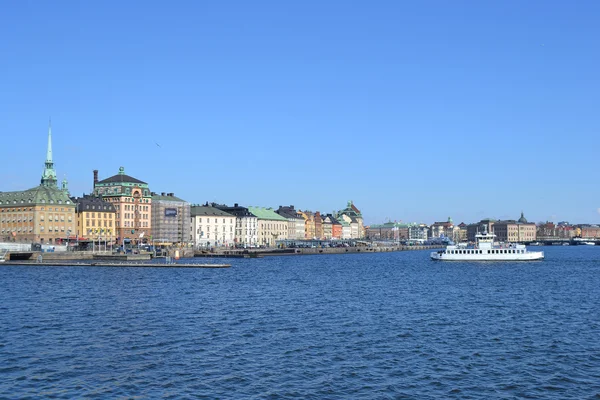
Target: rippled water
point(364, 326)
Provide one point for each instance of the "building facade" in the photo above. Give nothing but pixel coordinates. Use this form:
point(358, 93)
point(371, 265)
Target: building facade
point(96, 220)
point(442, 229)
point(485, 225)
point(246, 224)
point(318, 225)
point(133, 204)
point(588, 231)
point(512, 231)
point(43, 214)
point(171, 219)
point(309, 224)
point(327, 227)
point(212, 227)
point(295, 221)
point(271, 226)
point(353, 217)
point(418, 232)
point(388, 231)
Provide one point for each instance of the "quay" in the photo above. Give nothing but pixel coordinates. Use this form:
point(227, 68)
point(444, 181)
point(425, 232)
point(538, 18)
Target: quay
point(260, 253)
point(115, 264)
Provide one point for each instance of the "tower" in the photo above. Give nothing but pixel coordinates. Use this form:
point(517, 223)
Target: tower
point(49, 175)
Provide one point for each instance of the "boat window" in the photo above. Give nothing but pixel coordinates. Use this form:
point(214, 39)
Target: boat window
point(488, 252)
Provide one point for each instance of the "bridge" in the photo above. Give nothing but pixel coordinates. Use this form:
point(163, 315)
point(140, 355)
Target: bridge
point(552, 240)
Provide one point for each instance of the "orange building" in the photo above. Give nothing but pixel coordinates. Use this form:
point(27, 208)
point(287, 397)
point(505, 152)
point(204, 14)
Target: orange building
point(133, 204)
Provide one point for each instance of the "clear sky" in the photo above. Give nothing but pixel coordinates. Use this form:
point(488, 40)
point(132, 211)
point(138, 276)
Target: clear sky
point(415, 110)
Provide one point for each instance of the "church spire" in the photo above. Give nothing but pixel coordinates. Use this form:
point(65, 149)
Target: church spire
point(49, 175)
point(49, 151)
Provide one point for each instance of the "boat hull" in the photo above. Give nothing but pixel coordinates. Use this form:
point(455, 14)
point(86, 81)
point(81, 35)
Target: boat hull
point(528, 256)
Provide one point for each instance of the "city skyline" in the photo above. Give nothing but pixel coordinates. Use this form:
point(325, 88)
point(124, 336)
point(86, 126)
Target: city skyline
point(416, 113)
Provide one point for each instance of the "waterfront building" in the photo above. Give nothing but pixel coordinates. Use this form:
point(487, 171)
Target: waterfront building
point(460, 233)
point(388, 231)
point(318, 225)
point(565, 231)
point(327, 227)
point(346, 229)
point(295, 221)
point(246, 224)
point(418, 232)
point(43, 214)
point(96, 220)
point(485, 225)
point(212, 227)
point(353, 217)
point(309, 224)
point(336, 227)
point(133, 204)
point(515, 231)
point(171, 219)
point(442, 229)
point(588, 231)
point(271, 226)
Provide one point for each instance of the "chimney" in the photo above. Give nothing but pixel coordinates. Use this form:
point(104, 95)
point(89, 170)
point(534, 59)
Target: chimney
point(162, 193)
point(235, 205)
point(95, 177)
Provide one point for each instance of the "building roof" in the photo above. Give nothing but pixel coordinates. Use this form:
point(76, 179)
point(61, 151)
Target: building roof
point(166, 197)
point(37, 195)
point(266, 213)
point(288, 212)
point(93, 203)
point(200, 211)
point(121, 177)
point(351, 210)
point(237, 210)
point(522, 220)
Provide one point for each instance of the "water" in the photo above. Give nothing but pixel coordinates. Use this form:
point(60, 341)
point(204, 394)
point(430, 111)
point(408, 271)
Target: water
point(364, 326)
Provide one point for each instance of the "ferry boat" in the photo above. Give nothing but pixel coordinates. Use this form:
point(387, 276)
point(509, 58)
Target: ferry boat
point(486, 250)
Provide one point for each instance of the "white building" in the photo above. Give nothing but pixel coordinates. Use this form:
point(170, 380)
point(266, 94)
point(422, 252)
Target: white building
point(246, 224)
point(212, 227)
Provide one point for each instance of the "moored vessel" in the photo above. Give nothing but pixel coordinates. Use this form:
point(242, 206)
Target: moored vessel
point(486, 250)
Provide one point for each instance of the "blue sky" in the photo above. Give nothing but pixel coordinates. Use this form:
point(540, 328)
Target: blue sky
point(416, 111)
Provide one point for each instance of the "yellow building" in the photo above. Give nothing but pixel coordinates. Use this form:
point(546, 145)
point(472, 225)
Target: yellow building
point(43, 214)
point(95, 219)
point(309, 224)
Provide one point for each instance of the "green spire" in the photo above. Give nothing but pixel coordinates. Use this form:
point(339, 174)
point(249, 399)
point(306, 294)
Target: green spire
point(49, 151)
point(49, 175)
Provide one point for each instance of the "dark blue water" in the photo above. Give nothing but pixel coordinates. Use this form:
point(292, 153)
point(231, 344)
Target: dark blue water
point(365, 326)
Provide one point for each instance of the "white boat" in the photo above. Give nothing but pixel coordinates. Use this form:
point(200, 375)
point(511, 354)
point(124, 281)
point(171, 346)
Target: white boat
point(487, 250)
point(3, 257)
point(588, 243)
